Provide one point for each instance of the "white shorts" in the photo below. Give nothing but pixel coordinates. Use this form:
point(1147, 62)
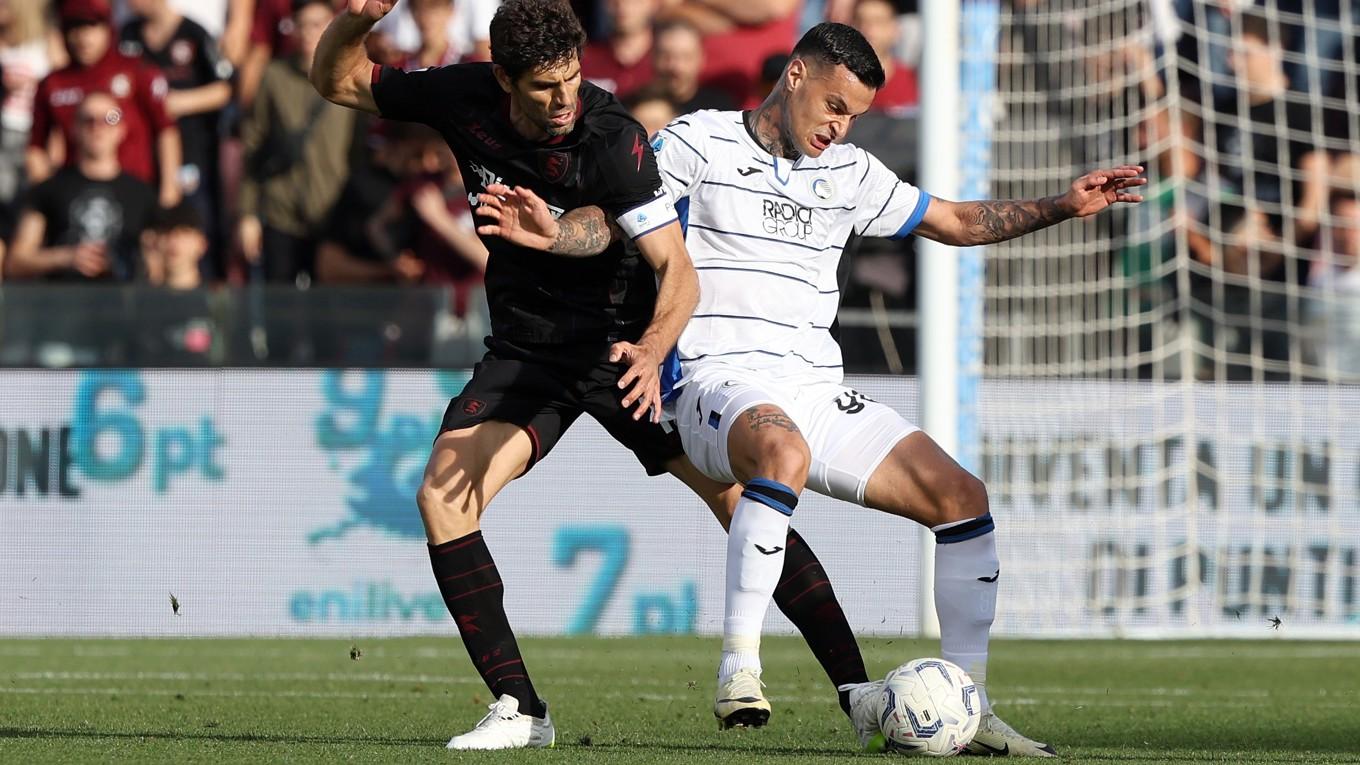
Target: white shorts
point(849, 435)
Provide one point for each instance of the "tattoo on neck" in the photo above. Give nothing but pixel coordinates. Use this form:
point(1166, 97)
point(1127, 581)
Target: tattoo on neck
point(994, 221)
point(772, 138)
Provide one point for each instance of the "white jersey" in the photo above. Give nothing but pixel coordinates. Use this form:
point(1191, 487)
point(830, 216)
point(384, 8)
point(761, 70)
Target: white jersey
point(766, 236)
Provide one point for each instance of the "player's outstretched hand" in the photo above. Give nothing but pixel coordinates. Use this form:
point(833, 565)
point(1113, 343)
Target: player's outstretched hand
point(644, 377)
point(1100, 189)
point(372, 10)
point(516, 215)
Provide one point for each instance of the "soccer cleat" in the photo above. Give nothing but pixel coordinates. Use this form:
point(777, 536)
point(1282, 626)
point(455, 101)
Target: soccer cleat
point(866, 701)
point(994, 738)
point(505, 728)
point(740, 703)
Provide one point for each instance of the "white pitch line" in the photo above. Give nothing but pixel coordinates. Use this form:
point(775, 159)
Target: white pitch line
point(388, 678)
point(662, 697)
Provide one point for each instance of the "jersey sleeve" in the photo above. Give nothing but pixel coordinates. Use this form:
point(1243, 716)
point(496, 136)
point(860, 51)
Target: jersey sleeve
point(151, 92)
point(681, 156)
point(213, 65)
point(887, 205)
point(42, 117)
point(419, 96)
point(632, 192)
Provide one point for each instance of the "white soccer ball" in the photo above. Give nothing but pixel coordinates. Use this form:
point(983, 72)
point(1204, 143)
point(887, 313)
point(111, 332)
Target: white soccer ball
point(930, 707)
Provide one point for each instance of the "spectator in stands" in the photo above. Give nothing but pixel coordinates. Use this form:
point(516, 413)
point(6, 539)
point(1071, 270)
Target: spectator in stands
point(29, 50)
point(737, 36)
point(151, 150)
point(877, 21)
point(271, 37)
point(178, 326)
point(431, 18)
point(297, 148)
point(428, 216)
point(172, 248)
point(650, 106)
point(468, 30)
point(677, 60)
point(345, 255)
point(1250, 142)
point(85, 222)
point(622, 62)
point(1240, 304)
point(1336, 276)
point(199, 80)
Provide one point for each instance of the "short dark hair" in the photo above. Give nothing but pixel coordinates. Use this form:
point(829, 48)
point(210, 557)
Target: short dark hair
point(298, 5)
point(842, 45)
point(181, 215)
point(530, 34)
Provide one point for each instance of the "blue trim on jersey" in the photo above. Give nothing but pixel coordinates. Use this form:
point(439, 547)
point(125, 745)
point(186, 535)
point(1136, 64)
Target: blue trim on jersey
point(724, 139)
point(752, 270)
point(670, 375)
point(784, 181)
point(687, 143)
point(769, 239)
point(917, 215)
point(682, 213)
point(774, 194)
point(745, 318)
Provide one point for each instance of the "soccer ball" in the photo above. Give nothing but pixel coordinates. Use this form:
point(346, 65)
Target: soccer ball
point(930, 707)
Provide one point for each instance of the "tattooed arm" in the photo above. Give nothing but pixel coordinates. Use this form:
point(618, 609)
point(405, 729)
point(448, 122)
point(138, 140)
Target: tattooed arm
point(964, 224)
point(522, 217)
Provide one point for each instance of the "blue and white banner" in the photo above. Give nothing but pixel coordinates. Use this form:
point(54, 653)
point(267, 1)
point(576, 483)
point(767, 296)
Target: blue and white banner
point(281, 502)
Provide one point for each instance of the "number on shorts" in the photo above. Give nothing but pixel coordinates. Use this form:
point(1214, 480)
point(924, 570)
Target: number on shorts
point(851, 402)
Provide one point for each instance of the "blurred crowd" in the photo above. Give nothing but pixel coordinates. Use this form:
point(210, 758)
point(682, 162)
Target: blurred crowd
point(1252, 139)
point(179, 143)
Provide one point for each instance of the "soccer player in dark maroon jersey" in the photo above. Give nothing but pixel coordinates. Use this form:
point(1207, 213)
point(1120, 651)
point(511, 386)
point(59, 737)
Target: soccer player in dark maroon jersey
point(151, 150)
point(570, 335)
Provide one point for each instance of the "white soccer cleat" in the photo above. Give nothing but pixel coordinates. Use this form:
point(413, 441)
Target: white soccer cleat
point(740, 702)
point(505, 728)
point(997, 739)
point(865, 708)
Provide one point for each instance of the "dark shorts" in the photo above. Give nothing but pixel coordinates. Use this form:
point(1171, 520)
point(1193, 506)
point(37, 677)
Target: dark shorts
point(545, 399)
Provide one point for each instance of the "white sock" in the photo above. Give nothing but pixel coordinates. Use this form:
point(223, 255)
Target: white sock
point(965, 559)
point(755, 557)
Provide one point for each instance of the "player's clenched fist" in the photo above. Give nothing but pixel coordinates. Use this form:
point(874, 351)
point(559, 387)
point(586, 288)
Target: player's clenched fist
point(371, 9)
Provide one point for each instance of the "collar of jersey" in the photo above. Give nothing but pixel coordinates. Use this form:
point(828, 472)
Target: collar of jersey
point(783, 168)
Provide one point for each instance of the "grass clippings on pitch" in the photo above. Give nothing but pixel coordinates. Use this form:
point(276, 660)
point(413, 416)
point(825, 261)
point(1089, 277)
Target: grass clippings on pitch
point(649, 700)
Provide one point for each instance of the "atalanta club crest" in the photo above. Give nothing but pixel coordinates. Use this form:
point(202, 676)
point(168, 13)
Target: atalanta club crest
point(555, 166)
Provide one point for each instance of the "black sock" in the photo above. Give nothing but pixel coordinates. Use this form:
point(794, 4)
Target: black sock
point(473, 592)
point(805, 596)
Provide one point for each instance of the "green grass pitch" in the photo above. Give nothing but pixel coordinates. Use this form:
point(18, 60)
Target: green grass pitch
point(649, 700)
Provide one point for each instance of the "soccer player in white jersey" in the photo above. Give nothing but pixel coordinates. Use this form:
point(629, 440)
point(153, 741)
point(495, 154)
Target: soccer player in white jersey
point(771, 197)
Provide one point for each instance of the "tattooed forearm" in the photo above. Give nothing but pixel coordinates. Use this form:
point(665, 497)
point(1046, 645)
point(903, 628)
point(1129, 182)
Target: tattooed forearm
point(761, 417)
point(991, 221)
point(581, 232)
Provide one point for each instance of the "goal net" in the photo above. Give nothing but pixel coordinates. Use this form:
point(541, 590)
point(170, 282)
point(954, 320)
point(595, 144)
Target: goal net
point(1170, 421)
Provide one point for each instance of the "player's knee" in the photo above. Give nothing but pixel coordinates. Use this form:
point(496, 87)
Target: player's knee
point(448, 512)
point(963, 496)
point(785, 459)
